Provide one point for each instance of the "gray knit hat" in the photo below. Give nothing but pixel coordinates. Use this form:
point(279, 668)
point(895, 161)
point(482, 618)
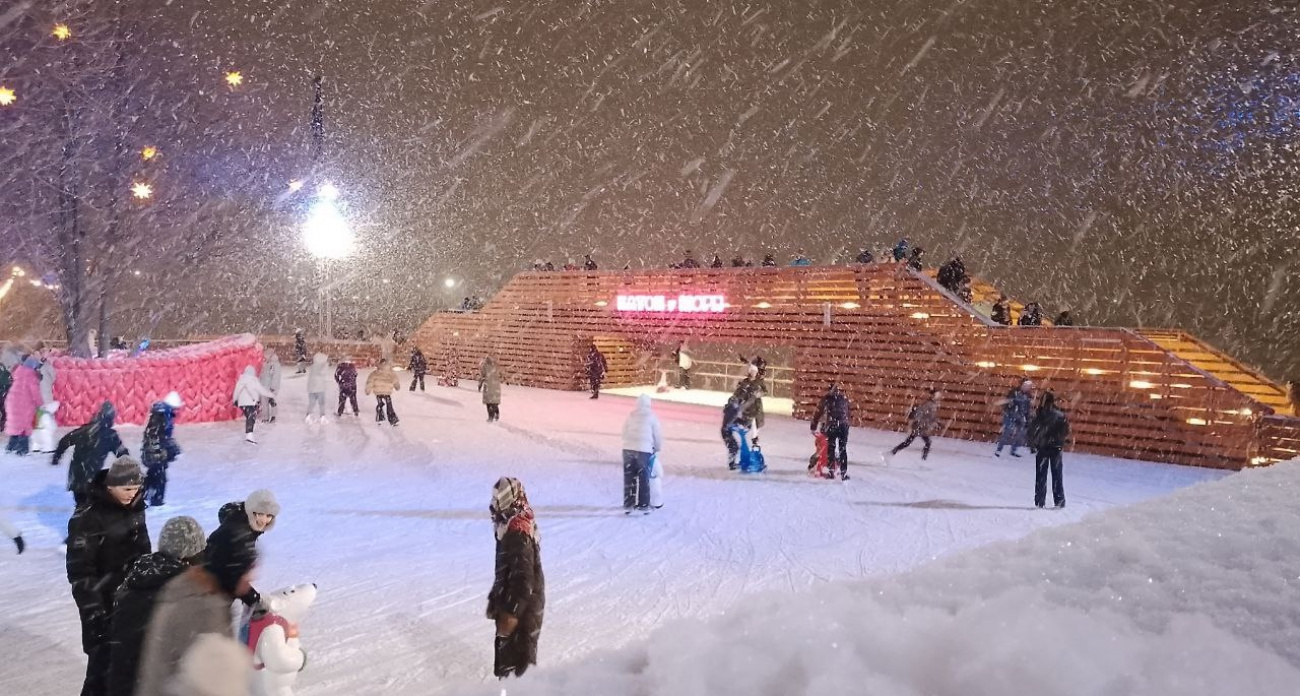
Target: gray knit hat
point(124, 472)
point(182, 537)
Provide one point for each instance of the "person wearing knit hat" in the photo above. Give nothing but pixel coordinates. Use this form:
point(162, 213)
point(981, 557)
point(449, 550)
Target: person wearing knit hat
point(180, 546)
point(159, 448)
point(105, 537)
point(193, 603)
point(240, 526)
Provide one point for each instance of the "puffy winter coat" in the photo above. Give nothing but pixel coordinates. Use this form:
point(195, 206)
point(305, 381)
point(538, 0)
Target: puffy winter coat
point(91, 444)
point(271, 373)
point(23, 399)
point(519, 590)
point(249, 389)
point(132, 610)
point(596, 366)
point(159, 447)
point(104, 539)
point(489, 381)
point(924, 417)
point(419, 365)
point(1001, 313)
point(751, 390)
point(1050, 429)
point(299, 347)
point(345, 375)
point(641, 431)
point(188, 606)
point(318, 375)
point(383, 381)
point(1015, 411)
point(832, 412)
point(46, 436)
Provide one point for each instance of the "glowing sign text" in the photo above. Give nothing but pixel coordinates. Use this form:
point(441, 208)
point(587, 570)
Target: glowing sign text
point(689, 304)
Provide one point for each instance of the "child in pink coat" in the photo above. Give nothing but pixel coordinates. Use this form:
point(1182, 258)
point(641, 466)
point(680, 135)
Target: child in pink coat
point(20, 406)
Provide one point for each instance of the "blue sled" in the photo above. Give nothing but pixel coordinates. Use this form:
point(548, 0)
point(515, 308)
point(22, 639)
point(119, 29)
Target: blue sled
point(751, 458)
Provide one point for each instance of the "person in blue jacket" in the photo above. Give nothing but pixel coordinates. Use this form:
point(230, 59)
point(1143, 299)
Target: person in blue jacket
point(159, 449)
point(1015, 417)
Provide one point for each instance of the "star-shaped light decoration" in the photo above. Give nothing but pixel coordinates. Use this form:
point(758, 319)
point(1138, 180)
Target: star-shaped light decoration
point(61, 32)
point(7, 96)
point(149, 153)
point(142, 190)
point(295, 185)
point(234, 78)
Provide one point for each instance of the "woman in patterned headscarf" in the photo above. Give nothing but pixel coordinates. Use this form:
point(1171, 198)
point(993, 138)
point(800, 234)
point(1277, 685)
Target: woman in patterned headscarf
point(518, 595)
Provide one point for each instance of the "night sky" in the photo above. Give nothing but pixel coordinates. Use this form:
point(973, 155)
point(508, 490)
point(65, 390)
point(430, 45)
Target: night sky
point(1132, 161)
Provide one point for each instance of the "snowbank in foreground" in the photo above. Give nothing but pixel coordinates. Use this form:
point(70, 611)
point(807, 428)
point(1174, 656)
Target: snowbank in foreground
point(1196, 593)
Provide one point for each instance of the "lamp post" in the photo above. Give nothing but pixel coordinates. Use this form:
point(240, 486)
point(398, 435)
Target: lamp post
point(328, 237)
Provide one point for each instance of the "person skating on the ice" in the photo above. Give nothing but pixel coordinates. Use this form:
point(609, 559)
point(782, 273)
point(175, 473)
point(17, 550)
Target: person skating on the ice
point(489, 383)
point(46, 436)
point(596, 368)
point(300, 351)
point(240, 525)
point(180, 547)
point(1002, 311)
point(642, 440)
point(685, 363)
point(10, 531)
point(21, 403)
point(1048, 433)
point(190, 605)
point(1032, 316)
point(589, 264)
point(271, 375)
point(91, 444)
point(159, 449)
point(248, 391)
point(105, 537)
point(733, 414)
point(1015, 417)
point(47, 372)
point(832, 415)
point(318, 385)
point(751, 391)
point(383, 383)
point(419, 367)
point(6, 380)
point(865, 256)
point(518, 597)
point(345, 375)
point(923, 418)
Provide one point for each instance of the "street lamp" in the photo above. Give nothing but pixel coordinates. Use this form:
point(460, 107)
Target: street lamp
point(328, 237)
point(61, 32)
point(142, 190)
point(7, 96)
point(234, 78)
point(449, 283)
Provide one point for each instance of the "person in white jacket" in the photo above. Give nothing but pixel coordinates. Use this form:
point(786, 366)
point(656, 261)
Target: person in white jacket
point(270, 380)
point(642, 439)
point(248, 391)
point(319, 379)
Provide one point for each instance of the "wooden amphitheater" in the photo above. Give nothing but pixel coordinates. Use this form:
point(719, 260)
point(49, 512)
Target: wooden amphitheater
point(887, 334)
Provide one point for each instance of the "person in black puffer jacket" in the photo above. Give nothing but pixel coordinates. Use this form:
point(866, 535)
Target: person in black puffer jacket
point(241, 525)
point(1048, 434)
point(91, 444)
point(180, 546)
point(833, 416)
point(105, 537)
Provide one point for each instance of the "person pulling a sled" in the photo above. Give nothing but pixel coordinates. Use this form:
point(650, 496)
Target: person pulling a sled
point(833, 416)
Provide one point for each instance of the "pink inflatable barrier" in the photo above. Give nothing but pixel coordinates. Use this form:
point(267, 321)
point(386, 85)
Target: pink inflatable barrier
point(203, 374)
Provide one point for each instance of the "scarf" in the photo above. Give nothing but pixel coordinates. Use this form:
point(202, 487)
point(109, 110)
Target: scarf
point(510, 509)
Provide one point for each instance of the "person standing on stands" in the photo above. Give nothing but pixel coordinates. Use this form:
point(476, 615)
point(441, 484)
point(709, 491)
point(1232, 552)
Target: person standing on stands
point(684, 365)
point(1064, 319)
point(549, 267)
point(1002, 311)
point(965, 292)
point(1048, 433)
point(489, 382)
point(570, 266)
point(901, 250)
point(689, 261)
point(801, 259)
point(914, 261)
point(769, 261)
point(716, 262)
point(922, 420)
point(1032, 316)
point(300, 351)
point(419, 367)
point(951, 275)
point(1015, 417)
point(596, 369)
point(383, 382)
point(345, 375)
point(588, 264)
point(833, 416)
point(105, 537)
point(1293, 395)
point(865, 256)
point(738, 261)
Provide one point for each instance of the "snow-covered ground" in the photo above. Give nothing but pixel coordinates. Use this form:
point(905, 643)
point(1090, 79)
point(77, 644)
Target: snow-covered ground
point(392, 524)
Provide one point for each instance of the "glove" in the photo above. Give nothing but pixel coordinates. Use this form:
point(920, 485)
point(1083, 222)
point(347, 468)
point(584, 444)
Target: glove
point(252, 599)
point(272, 402)
point(22, 545)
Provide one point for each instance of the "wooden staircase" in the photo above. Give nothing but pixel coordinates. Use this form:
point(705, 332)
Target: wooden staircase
point(1239, 376)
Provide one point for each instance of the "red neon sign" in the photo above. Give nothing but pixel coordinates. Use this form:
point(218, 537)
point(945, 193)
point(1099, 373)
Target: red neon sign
point(685, 304)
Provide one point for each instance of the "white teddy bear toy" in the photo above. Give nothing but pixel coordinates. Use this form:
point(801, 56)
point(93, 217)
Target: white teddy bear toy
point(273, 637)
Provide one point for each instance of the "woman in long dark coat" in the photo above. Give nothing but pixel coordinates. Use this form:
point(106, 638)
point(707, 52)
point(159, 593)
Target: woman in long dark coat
point(518, 597)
